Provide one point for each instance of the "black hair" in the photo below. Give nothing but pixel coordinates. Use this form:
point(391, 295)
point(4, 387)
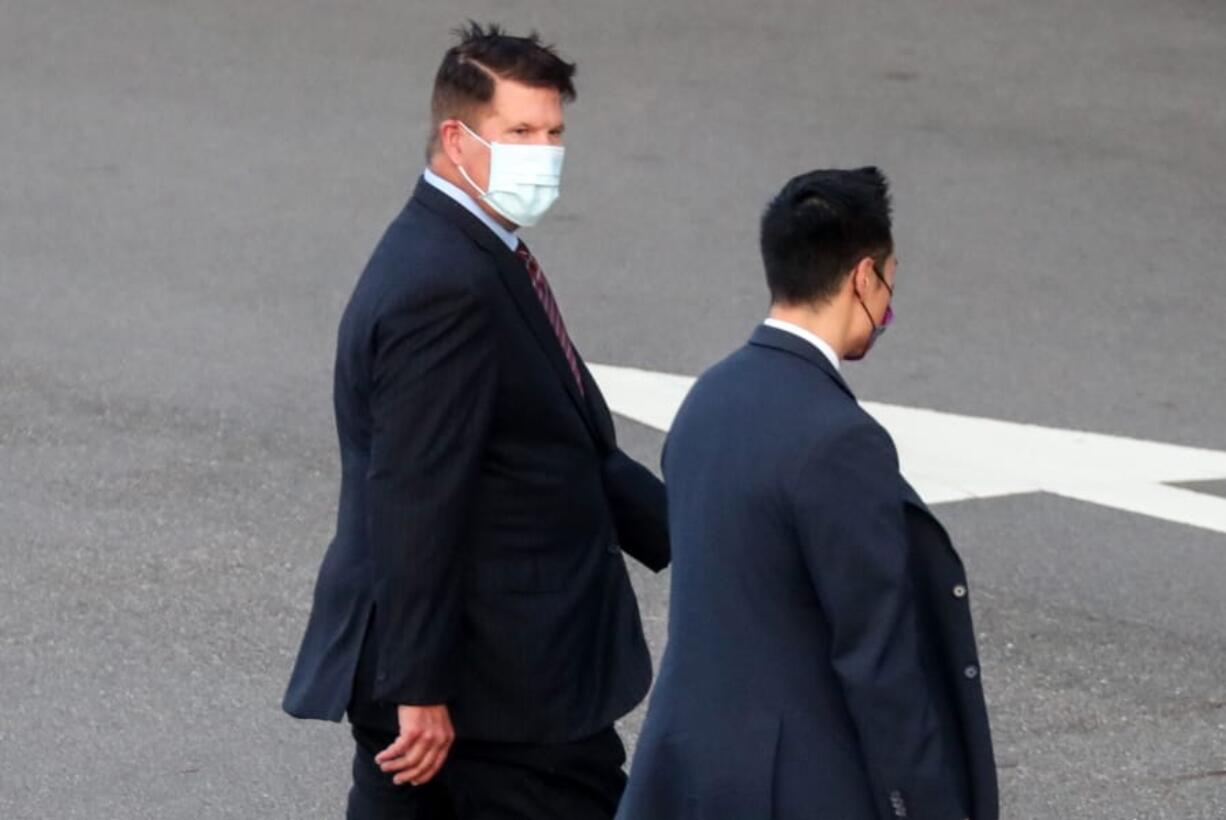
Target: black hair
point(466, 78)
point(819, 227)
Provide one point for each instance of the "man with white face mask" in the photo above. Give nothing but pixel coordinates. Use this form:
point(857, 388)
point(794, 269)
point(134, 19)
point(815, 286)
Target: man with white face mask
point(473, 615)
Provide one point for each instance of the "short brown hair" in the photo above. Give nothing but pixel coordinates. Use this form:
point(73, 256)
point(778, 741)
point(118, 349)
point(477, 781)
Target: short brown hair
point(466, 77)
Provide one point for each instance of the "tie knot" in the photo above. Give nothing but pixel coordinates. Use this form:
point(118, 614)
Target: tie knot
point(530, 264)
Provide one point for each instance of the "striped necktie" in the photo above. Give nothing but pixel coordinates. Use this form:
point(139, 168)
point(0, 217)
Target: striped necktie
point(541, 285)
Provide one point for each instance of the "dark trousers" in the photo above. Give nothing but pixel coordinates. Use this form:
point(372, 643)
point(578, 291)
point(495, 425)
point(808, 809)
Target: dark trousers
point(580, 780)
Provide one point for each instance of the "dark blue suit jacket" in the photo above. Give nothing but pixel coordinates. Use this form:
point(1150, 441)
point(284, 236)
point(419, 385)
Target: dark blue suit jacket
point(483, 499)
point(821, 661)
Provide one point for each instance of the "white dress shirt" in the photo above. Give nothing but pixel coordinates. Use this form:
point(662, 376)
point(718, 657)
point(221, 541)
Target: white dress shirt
point(469, 204)
point(810, 337)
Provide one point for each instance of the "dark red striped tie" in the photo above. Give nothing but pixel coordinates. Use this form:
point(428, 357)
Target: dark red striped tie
point(541, 285)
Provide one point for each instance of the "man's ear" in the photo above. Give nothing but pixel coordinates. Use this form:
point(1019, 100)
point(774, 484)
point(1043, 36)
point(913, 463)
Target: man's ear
point(864, 271)
point(448, 139)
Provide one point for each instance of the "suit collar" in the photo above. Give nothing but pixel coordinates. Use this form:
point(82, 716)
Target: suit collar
point(809, 336)
point(770, 337)
point(515, 278)
point(461, 198)
point(446, 207)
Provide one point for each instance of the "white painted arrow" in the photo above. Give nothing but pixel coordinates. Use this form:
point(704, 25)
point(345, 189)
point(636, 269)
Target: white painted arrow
point(953, 458)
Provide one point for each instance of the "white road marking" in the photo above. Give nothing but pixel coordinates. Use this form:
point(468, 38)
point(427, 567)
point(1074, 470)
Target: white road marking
point(949, 457)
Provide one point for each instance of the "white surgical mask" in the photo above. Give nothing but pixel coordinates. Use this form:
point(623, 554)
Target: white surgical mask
point(524, 179)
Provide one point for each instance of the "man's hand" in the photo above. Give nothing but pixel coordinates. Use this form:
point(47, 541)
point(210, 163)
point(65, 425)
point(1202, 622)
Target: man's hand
point(421, 749)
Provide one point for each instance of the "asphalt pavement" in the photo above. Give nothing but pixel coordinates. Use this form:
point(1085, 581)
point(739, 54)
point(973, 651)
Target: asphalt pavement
point(189, 191)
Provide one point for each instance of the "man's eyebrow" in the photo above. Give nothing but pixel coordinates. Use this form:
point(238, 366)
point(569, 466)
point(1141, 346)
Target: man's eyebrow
point(531, 127)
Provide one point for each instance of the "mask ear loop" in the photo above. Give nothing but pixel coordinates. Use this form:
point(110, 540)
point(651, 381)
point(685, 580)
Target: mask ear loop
point(460, 167)
point(469, 179)
point(885, 317)
point(474, 134)
point(872, 323)
point(888, 316)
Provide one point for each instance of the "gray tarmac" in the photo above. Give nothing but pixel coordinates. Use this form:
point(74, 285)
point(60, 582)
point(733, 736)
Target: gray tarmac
point(190, 189)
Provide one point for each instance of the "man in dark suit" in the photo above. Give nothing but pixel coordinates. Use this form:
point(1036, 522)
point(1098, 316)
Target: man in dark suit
point(473, 614)
point(821, 662)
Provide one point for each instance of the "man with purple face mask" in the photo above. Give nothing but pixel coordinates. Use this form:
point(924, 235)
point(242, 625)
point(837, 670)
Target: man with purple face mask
point(821, 660)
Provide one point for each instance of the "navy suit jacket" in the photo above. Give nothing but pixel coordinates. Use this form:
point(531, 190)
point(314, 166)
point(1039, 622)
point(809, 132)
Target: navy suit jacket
point(483, 505)
point(821, 662)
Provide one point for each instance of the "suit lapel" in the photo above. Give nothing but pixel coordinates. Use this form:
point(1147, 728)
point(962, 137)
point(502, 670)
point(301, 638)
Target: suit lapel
point(910, 496)
point(912, 499)
point(515, 279)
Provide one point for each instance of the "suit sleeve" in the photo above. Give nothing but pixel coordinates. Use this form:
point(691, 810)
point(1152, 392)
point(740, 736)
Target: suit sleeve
point(433, 380)
point(853, 531)
point(640, 510)
point(636, 497)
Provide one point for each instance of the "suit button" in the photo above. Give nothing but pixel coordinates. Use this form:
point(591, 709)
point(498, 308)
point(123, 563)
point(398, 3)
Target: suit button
point(959, 591)
point(971, 672)
point(614, 549)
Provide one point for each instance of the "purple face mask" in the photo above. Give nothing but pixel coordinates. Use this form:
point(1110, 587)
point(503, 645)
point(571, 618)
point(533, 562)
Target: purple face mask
point(878, 329)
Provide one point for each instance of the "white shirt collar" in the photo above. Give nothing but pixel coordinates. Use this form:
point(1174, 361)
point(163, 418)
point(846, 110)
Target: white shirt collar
point(810, 337)
point(469, 204)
